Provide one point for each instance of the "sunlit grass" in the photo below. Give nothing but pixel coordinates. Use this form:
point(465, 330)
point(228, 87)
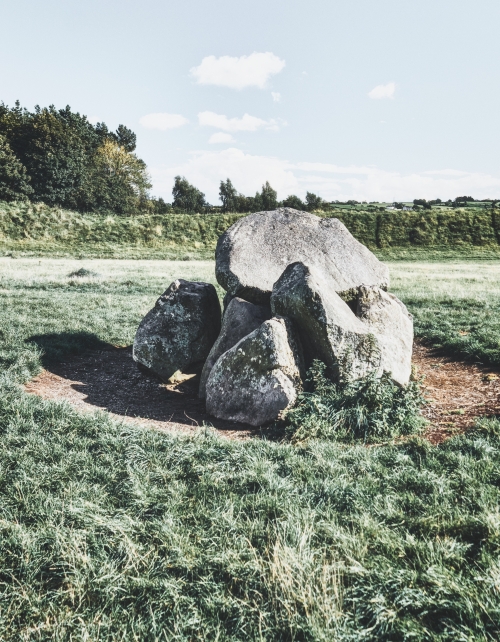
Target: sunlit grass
point(456, 305)
point(111, 532)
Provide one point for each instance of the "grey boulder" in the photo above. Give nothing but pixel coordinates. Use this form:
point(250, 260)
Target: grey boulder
point(329, 330)
point(180, 330)
point(258, 378)
point(240, 318)
point(392, 325)
point(252, 254)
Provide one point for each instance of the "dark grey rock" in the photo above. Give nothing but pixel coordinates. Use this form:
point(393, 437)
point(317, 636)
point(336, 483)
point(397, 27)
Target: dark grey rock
point(226, 301)
point(240, 318)
point(180, 330)
point(258, 378)
point(392, 324)
point(253, 253)
point(329, 330)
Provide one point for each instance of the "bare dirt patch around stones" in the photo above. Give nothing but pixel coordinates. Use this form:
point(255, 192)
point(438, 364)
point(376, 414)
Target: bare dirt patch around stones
point(457, 393)
point(110, 380)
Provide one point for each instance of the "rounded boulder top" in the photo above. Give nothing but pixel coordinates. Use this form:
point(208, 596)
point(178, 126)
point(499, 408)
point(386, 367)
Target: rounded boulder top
point(253, 253)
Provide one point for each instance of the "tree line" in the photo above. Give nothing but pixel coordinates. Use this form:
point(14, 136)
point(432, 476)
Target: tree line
point(188, 198)
point(57, 157)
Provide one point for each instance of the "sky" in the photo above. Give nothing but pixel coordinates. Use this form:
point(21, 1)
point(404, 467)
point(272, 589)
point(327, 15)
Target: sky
point(352, 99)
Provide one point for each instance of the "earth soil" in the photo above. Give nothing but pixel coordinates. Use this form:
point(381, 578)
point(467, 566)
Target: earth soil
point(457, 393)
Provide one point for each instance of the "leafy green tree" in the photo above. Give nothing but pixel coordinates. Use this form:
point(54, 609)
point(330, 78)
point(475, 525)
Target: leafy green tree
point(159, 206)
point(422, 203)
point(244, 204)
point(295, 202)
point(187, 197)
point(229, 196)
point(56, 147)
point(121, 179)
point(126, 138)
point(268, 197)
point(74, 164)
point(313, 202)
point(14, 180)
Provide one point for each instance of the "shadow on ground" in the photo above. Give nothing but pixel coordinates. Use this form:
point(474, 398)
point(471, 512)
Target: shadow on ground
point(107, 378)
point(59, 345)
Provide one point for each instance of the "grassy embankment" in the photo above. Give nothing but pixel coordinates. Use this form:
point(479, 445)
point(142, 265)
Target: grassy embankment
point(443, 233)
point(114, 533)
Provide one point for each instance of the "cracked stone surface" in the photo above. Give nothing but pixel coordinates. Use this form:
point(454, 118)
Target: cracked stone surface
point(180, 330)
point(253, 253)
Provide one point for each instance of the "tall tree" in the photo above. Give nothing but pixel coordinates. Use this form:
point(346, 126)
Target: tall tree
point(295, 202)
point(14, 180)
point(313, 202)
point(268, 197)
point(187, 197)
point(74, 164)
point(229, 196)
point(126, 138)
point(121, 179)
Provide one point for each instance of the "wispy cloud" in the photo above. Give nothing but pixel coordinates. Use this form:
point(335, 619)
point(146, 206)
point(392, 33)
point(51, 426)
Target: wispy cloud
point(333, 182)
point(220, 137)
point(245, 124)
point(276, 96)
point(163, 121)
point(383, 91)
point(237, 73)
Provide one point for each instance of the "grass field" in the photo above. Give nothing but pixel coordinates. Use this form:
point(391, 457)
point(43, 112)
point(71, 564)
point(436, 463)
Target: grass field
point(110, 532)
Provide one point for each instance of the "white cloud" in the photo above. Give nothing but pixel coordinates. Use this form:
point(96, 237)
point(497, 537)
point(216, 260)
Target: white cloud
point(246, 71)
point(276, 96)
point(245, 124)
point(383, 91)
point(221, 137)
point(163, 121)
point(248, 172)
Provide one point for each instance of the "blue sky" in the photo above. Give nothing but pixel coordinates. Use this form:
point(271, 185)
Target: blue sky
point(386, 100)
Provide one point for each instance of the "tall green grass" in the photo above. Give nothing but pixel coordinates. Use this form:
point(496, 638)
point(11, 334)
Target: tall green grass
point(111, 532)
point(455, 304)
point(115, 533)
point(38, 230)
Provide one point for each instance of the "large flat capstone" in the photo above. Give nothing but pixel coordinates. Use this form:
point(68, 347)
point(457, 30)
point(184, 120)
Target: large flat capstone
point(259, 377)
point(180, 330)
point(253, 253)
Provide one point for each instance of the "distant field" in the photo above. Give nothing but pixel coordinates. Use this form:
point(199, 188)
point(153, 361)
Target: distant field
point(110, 532)
point(456, 304)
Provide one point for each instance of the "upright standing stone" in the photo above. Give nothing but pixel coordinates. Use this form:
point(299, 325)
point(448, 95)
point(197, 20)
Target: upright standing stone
point(259, 377)
point(252, 254)
point(329, 329)
point(180, 330)
point(240, 318)
point(392, 324)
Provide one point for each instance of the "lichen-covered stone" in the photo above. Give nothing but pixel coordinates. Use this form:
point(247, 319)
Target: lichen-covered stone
point(240, 318)
point(392, 324)
point(180, 330)
point(258, 378)
point(252, 254)
point(329, 330)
